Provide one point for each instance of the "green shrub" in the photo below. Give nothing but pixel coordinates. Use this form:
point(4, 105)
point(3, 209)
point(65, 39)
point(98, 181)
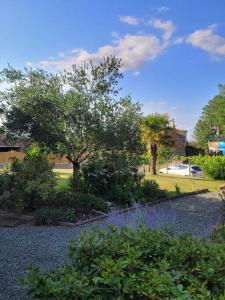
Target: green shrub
point(141, 264)
point(125, 194)
point(213, 166)
point(52, 216)
point(32, 181)
point(6, 201)
point(86, 203)
point(218, 235)
point(117, 179)
point(81, 203)
point(146, 191)
point(122, 195)
point(48, 216)
point(151, 190)
point(102, 174)
point(64, 184)
point(69, 215)
point(6, 181)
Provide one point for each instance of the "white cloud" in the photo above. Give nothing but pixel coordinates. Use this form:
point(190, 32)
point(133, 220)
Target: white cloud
point(129, 20)
point(29, 64)
point(178, 40)
point(154, 105)
point(61, 54)
point(208, 40)
point(137, 73)
point(115, 35)
point(162, 9)
point(134, 50)
point(167, 26)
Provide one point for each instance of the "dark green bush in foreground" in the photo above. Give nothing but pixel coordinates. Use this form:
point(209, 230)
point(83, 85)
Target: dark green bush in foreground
point(141, 264)
point(213, 166)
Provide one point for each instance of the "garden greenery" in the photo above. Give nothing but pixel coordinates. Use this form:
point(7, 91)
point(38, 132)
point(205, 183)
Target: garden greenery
point(213, 166)
point(29, 183)
point(115, 177)
point(134, 264)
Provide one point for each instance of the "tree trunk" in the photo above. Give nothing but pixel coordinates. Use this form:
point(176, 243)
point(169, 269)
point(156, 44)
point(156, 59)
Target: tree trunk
point(153, 158)
point(75, 180)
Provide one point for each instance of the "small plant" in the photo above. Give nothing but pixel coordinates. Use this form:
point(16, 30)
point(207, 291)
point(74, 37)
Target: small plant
point(151, 190)
point(177, 189)
point(48, 216)
point(69, 215)
point(218, 235)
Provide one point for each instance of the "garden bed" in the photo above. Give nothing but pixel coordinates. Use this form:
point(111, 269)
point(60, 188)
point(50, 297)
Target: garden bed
point(11, 219)
point(120, 211)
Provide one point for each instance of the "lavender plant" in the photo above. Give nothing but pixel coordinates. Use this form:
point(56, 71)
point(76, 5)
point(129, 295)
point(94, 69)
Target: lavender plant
point(167, 219)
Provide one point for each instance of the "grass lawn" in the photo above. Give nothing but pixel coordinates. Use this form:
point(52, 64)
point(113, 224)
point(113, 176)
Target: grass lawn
point(166, 182)
point(186, 184)
point(63, 175)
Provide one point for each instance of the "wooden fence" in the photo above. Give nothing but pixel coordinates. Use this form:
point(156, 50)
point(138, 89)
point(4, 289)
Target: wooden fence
point(7, 157)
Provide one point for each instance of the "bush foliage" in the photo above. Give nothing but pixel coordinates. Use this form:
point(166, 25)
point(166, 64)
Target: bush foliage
point(102, 173)
point(79, 202)
point(52, 216)
point(30, 182)
point(140, 264)
point(116, 178)
point(213, 166)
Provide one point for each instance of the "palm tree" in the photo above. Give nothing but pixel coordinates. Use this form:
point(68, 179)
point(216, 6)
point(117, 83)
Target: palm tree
point(156, 130)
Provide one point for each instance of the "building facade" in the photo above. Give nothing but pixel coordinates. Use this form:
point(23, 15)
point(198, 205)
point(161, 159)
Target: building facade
point(180, 142)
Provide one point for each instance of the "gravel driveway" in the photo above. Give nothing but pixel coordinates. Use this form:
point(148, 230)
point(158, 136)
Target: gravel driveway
point(46, 246)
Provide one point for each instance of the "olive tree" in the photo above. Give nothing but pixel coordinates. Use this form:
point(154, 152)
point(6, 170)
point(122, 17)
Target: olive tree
point(77, 112)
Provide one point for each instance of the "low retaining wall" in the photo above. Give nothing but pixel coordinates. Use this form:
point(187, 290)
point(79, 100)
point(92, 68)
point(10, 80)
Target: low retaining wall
point(147, 204)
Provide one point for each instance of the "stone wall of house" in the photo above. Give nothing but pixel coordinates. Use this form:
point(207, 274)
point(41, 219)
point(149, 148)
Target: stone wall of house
point(180, 142)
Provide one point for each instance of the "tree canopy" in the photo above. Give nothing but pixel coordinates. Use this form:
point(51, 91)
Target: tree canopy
point(213, 116)
point(76, 113)
point(156, 130)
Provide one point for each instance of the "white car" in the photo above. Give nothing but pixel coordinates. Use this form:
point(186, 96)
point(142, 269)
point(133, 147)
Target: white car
point(182, 169)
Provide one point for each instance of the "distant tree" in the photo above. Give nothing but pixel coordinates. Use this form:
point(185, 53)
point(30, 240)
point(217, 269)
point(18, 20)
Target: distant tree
point(165, 154)
point(74, 113)
point(156, 130)
point(213, 116)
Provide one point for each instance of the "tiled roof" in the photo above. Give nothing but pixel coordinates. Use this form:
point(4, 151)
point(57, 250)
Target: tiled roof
point(179, 129)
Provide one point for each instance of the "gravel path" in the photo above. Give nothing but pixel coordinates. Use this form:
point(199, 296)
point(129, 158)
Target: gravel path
point(46, 246)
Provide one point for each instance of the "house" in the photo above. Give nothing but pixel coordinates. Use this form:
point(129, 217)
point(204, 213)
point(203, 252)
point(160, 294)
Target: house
point(180, 139)
point(216, 145)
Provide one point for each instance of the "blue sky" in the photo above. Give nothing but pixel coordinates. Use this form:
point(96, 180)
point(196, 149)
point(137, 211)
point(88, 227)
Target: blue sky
point(173, 51)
